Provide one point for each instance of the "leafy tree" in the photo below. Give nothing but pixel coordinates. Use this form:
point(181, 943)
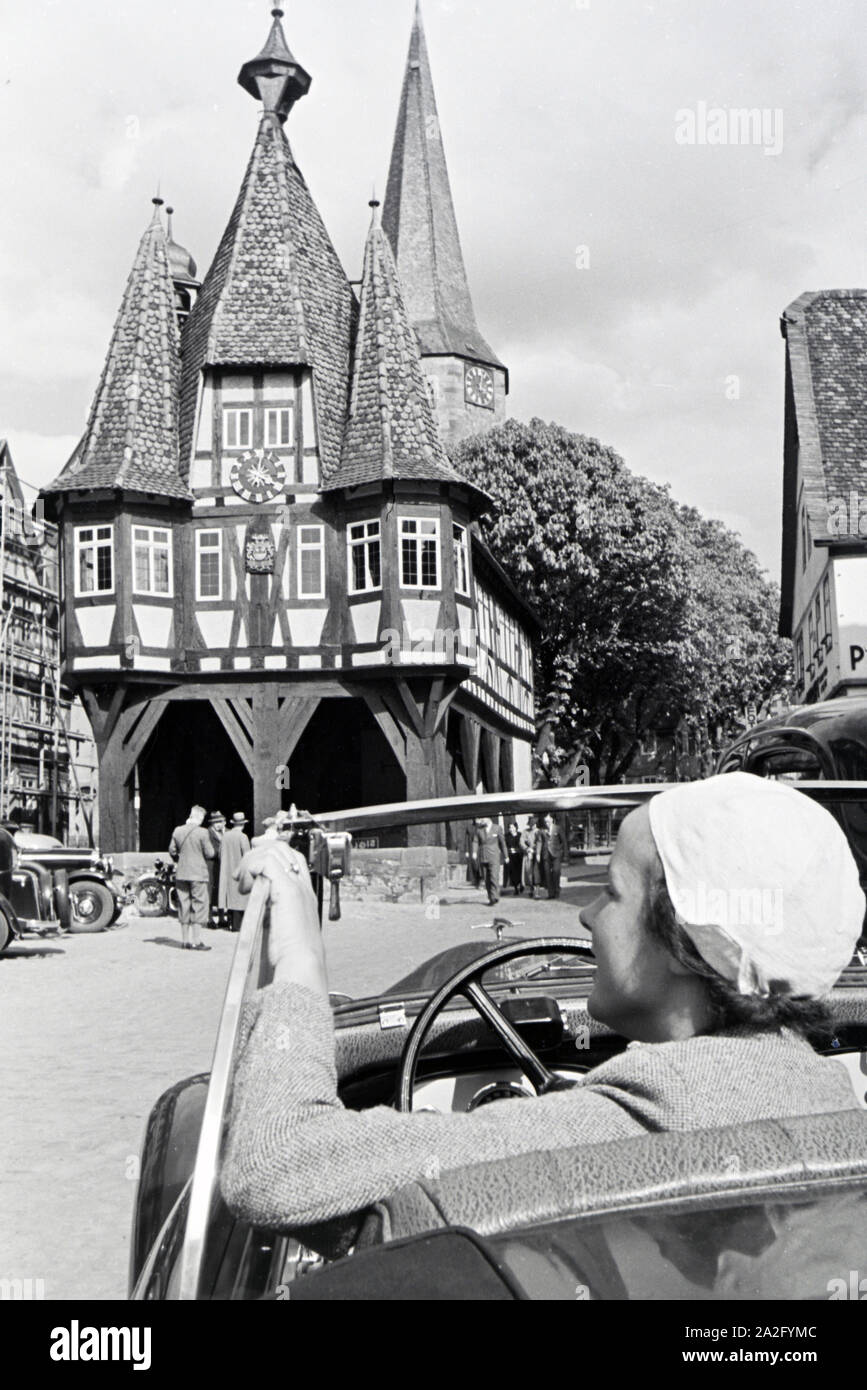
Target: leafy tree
point(649, 614)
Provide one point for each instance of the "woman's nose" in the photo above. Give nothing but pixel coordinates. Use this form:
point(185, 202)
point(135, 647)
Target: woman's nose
point(588, 914)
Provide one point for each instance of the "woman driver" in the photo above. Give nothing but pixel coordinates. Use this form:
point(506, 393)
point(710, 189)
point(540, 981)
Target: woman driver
point(731, 907)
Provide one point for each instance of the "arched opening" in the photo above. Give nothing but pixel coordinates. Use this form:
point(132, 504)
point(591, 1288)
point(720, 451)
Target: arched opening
point(343, 760)
point(190, 760)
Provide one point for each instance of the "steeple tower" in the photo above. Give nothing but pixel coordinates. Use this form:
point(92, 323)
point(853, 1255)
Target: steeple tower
point(468, 382)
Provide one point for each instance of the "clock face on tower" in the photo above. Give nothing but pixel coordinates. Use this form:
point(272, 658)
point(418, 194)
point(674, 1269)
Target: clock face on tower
point(479, 386)
point(258, 476)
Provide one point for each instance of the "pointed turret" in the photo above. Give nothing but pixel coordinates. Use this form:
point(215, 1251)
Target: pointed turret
point(183, 271)
point(131, 439)
point(391, 430)
point(419, 219)
point(276, 294)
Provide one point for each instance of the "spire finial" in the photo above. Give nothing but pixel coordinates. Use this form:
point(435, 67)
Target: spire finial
point(275, 77)
point(157, 202)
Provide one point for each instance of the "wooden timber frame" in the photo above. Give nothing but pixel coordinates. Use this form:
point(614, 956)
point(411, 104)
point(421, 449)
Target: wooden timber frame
point(265, 720)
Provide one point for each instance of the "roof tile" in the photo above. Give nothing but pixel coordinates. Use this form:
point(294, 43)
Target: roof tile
point(131, 439)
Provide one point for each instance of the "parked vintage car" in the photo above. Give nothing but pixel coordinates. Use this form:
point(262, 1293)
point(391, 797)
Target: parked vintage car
point(9, 925)
point(79, 883)
point(824, 741)
point(711, 1214)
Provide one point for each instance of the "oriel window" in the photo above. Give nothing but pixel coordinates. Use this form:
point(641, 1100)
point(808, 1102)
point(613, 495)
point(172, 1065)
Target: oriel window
point(419, 553)
point(462, 559)
point(94, 560)
point(152, 561)
point(364, 541)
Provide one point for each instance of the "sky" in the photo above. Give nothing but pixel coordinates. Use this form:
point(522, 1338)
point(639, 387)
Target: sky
point(630, 243)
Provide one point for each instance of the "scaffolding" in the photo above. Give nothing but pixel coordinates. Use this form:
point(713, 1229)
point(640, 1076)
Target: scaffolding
point(47, 768)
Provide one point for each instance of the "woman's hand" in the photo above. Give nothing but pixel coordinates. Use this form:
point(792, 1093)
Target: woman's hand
point(295, 947)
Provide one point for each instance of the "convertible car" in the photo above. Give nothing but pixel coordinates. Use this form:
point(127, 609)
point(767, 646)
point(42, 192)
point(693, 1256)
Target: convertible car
point(769, 1210)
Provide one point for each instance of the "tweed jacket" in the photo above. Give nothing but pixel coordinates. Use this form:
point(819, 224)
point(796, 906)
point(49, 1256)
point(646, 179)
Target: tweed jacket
point(296, 1157)
point(192, 849)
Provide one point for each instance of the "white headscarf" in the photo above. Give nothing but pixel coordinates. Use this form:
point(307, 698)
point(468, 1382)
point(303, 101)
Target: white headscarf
point(762, 881)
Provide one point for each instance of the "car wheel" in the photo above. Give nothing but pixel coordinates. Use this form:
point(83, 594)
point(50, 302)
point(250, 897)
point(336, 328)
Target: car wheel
point(6, 935)
point(149, 898)
point(62, 904)
point(92, 906)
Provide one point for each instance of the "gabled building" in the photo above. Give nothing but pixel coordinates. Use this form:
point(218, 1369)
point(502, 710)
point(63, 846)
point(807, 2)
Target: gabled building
point(824, 569)
point(273, 588)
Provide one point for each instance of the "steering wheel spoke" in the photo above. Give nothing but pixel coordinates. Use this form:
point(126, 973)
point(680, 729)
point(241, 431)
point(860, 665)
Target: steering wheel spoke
point(467, 982)
point(538, 1074)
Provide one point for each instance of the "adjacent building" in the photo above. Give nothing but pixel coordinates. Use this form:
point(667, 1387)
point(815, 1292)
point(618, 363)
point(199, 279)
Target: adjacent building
point(824, 568)
point(47, 759)
point(273, 585)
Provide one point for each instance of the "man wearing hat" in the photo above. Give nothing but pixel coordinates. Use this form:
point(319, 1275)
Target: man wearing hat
point(232, 850)
point(731, 908)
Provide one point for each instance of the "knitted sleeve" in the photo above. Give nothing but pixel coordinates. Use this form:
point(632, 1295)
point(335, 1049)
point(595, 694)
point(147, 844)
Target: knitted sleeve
point(295, 1156)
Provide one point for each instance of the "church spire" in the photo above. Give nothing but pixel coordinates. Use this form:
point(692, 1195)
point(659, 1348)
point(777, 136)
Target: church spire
point(275, 77)
point(419, 220)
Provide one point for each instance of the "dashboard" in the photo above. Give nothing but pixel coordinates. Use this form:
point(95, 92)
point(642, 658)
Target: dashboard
point(471, 1090)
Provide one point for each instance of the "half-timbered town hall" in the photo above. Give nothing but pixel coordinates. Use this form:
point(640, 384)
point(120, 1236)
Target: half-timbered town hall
point(274, 590)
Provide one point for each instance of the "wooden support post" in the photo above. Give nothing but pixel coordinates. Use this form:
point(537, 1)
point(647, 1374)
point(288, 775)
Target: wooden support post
point(117, 831)
point(491, 760)
point(266, 794)
point(470, 742)
point(420, 784)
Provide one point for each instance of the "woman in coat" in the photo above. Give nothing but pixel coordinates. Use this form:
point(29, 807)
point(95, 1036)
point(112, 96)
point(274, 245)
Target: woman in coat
point(232, 850)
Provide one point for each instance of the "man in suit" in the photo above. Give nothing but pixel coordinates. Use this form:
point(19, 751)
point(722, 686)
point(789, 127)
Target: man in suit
point(492, 855)
point(232, 850)
point(192, 850)
point(553, 850)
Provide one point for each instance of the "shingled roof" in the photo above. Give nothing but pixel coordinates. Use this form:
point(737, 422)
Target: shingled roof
point(419, 219)
point(276, 294)
point(826, 341)
point(131, 439)
point(391, 431)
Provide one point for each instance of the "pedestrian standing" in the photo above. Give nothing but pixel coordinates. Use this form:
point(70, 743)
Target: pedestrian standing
point(491, 855)
point(235, 845)
point(216, 830)
point(531, 842)
point(474, 868)
point(553, 851)
point(515, 851)
point(192, 850)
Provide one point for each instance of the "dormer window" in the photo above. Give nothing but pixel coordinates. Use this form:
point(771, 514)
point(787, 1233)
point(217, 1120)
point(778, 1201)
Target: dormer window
point(278, 429)
point(237, 429)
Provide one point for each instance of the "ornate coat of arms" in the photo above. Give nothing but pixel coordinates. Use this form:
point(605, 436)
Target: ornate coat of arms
point(260, 553)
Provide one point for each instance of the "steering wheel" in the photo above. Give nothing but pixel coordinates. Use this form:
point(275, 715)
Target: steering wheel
point(467, 981)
